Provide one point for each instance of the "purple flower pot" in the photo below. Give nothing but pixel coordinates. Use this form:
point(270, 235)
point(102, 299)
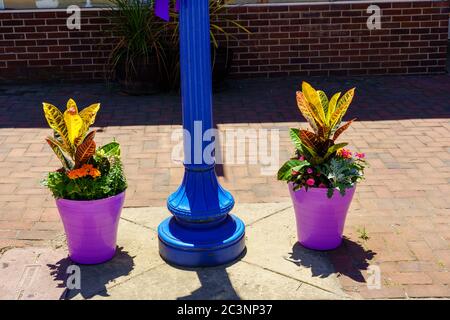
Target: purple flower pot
point(320, 220)
point(91, 227)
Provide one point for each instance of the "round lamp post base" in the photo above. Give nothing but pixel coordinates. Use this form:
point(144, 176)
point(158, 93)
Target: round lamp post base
point(190, 245)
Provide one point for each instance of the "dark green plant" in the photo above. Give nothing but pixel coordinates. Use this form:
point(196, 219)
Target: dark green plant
point(139, 35)
point(172, 40)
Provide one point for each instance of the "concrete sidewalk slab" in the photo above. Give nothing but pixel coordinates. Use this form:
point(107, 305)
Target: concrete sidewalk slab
point(268, 269)
point(26, 274)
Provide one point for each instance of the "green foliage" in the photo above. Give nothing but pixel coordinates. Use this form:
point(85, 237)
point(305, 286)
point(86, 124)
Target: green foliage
point(343, 173)
point(111, 182)
point(338, 174)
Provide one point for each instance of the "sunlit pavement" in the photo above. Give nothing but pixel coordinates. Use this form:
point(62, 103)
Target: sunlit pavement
point(403, 127)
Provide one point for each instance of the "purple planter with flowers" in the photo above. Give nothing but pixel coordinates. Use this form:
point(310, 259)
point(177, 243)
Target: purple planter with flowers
point(322, 176)
point(91, 227)
point(320, 220)
point(90, 186)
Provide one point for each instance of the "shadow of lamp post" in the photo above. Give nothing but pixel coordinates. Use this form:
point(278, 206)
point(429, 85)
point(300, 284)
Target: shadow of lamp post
point(201, 231)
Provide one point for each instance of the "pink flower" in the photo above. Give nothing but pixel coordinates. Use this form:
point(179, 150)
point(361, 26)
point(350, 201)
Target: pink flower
point(302, 158)
point(344, 153)
point(360, 155)
point(310, 182)
point(309, 170)
point(295, 173)
point(322, 185)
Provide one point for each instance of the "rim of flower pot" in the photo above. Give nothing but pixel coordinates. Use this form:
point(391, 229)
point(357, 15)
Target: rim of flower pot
point(317, 189)
point(96, 200)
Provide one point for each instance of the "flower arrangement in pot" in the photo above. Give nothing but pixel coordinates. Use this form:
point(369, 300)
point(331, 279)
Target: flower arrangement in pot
point(90, 186)
point(322, 176)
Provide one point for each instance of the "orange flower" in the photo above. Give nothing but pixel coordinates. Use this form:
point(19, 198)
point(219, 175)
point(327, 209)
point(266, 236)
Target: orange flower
point(85, 170)
point(95, 173)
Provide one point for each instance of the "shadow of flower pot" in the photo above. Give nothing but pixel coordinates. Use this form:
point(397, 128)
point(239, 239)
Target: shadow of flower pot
point(350, 259)
point(94, 278)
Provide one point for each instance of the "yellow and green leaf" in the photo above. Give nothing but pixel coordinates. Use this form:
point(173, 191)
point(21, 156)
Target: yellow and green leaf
point(74, 124)
point(56, 147)
point(341, 107)
point(72, 105)
point(312, 96)
point(111, 149)
point(324, 102)
point(333, 149)
point(88, 114)
point(332, 106)
point(305, 110)
point(55, 120)
point(285, 171)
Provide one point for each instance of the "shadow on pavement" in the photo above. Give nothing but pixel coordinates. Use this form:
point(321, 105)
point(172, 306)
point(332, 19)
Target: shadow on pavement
point(350, 259)
point(245, 101)
point(94, 278)
point(215, 283)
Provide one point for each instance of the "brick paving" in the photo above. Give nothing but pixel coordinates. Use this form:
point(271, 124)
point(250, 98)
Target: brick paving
point(403, 127)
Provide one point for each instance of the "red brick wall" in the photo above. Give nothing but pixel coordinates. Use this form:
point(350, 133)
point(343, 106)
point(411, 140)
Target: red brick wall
point(38, 45)
point(333, 39)
point(297, 39)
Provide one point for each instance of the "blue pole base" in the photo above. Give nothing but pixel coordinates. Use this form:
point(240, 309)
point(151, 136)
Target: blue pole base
point(213, 245)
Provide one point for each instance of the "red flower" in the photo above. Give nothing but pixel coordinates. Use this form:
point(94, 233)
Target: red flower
point(310, 182)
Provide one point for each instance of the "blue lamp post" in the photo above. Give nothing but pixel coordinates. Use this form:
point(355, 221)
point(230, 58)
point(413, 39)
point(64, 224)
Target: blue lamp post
point(201, 231)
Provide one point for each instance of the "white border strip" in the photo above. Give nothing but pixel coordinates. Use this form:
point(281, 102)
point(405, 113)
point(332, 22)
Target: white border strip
point(306, 3)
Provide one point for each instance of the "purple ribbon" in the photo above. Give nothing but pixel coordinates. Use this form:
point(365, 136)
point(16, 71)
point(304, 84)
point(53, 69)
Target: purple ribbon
point(162, 8)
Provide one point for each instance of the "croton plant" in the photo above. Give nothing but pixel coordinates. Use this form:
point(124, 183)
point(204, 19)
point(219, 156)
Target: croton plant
point(87, 172)
point(319, 161)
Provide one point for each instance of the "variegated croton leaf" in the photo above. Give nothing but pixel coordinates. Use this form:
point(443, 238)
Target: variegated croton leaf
point(85, 150)
point(55, 120)
point(342, 129)
point(57, 149)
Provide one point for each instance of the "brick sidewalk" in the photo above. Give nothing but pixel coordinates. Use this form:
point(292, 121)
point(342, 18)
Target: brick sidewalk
point(404, 127)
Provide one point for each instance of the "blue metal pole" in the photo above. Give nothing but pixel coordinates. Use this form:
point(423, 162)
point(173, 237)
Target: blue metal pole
point(201, 231)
